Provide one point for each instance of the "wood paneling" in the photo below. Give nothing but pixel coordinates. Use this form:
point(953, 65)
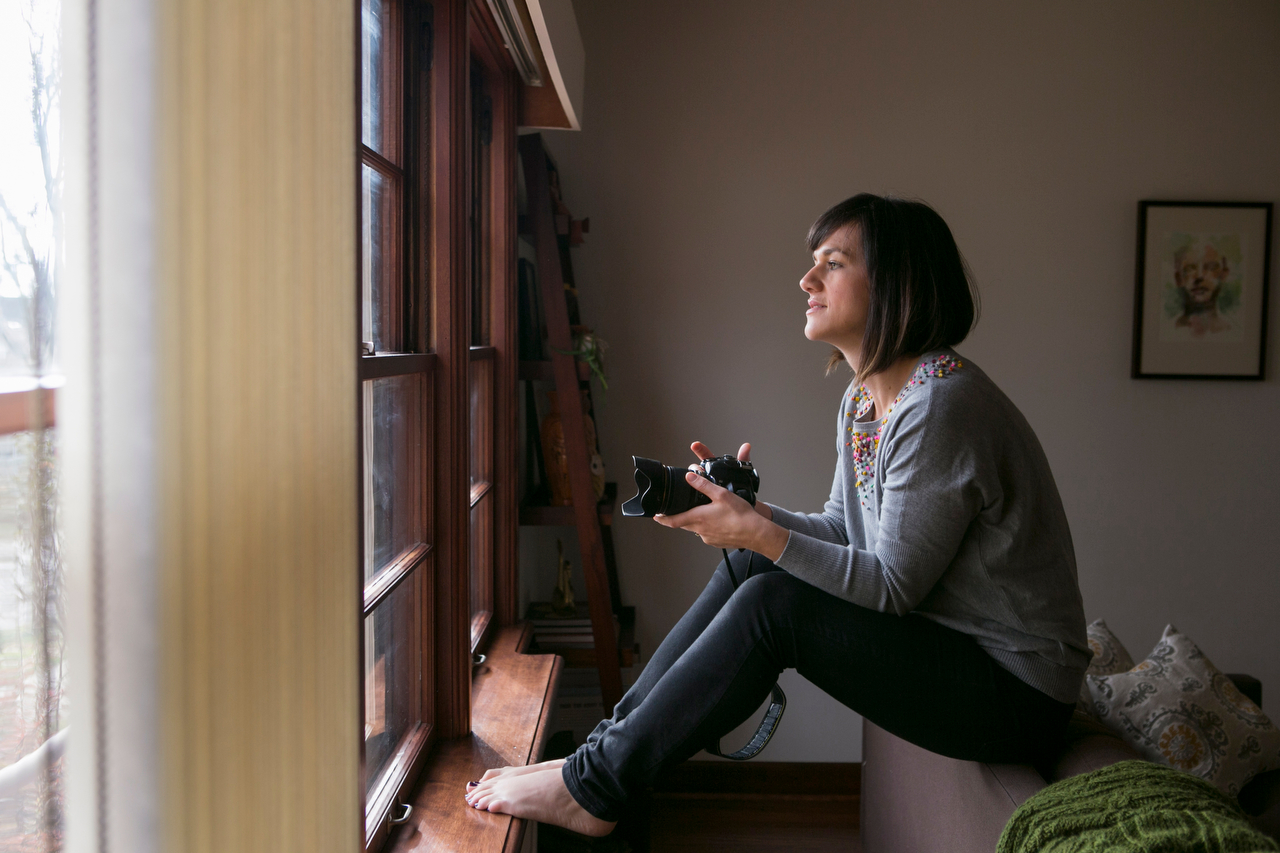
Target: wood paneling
point(450, 340)
point(257, 403)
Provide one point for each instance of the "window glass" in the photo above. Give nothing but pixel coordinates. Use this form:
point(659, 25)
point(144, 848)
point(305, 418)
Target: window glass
point(392, 662)
point(393, 469)
point(378, 79)
point(480, 209)
point(481, 575)
point(31, 257)
point(380, 281)
point(33, 668)
point(481, 518)
point(481, 381)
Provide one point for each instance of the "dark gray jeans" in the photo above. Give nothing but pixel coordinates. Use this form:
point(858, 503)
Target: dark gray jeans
point(926, 683)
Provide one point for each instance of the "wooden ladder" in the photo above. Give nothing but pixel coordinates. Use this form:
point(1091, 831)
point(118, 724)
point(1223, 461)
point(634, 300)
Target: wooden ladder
point(601, 594)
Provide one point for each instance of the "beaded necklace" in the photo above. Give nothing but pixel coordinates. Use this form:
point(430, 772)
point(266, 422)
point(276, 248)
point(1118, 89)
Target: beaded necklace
point(865, 445)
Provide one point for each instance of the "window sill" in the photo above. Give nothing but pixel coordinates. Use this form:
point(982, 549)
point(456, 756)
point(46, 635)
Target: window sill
point(512, 695)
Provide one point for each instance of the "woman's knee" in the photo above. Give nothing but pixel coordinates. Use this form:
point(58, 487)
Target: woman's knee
point(770, 593)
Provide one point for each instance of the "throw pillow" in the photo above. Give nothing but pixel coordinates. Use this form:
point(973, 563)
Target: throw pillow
point(1109, 657)
point(1176, 708)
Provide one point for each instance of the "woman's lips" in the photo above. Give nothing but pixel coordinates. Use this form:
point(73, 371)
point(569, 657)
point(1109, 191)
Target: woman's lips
point(814, 307)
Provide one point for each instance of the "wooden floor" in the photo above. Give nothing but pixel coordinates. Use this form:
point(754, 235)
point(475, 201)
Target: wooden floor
point(756, 806)
point(736, 807)
point(752, 822)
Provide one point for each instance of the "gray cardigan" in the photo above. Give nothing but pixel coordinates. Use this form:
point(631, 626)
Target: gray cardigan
point(945, 507)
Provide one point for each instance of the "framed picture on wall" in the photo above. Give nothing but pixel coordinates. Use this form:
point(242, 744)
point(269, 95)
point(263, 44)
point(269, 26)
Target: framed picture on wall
point(1200, 310)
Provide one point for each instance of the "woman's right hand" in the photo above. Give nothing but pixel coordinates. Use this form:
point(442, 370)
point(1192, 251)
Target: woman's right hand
point(744, 455)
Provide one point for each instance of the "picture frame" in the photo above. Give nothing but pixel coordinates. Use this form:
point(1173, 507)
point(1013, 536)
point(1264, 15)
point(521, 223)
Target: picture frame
point(1202, 287)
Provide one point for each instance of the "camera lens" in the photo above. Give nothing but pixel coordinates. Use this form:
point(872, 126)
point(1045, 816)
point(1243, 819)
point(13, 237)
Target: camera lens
point(661, 489)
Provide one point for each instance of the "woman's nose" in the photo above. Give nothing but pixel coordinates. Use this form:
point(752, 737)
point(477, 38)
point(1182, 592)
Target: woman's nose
point(809, 282)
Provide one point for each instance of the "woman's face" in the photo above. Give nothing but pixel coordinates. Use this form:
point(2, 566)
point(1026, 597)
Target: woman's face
point(839, 292)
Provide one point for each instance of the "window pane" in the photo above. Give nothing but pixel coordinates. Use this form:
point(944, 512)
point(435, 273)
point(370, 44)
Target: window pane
point(379, 77)
point(481, 564)
point(481, 380)
point(33, 675)
point(481, 583)
point(392, 660)
point(393, 469)
point(380, 279)
point(481, 132)
point(31, 236)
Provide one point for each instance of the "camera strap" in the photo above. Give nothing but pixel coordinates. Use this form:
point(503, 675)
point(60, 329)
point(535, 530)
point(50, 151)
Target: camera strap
point(777, 704)
point(777, 699)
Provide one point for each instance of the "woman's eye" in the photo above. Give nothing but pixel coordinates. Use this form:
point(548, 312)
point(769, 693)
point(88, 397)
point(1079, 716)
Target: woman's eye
point(833, 265)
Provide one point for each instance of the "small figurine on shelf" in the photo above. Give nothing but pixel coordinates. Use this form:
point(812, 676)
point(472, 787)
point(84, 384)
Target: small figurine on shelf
point(562, 602)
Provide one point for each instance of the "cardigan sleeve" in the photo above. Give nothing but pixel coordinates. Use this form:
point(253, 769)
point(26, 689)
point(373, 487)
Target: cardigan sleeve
point(929, 495)
point(826, 526)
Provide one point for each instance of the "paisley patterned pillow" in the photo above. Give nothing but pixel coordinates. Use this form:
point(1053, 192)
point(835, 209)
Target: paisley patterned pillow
point(1176, 708)
point(1109, 657)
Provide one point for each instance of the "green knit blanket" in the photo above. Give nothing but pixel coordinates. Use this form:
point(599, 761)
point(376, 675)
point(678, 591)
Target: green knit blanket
point(1131, 807)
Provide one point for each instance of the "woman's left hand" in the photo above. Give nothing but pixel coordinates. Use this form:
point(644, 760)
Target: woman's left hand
point(728, 521)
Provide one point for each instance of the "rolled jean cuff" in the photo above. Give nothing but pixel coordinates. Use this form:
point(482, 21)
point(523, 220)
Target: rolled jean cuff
point(594, 806)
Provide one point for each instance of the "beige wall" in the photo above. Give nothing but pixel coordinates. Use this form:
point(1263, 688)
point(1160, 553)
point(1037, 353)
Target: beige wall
point(714, 133)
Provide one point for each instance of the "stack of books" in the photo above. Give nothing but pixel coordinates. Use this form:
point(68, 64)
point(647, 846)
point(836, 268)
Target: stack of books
point(555, 632)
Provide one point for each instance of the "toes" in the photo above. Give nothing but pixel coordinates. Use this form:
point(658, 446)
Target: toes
point(491, 774)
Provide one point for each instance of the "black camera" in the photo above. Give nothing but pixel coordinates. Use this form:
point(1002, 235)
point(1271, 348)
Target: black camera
point(662, 489)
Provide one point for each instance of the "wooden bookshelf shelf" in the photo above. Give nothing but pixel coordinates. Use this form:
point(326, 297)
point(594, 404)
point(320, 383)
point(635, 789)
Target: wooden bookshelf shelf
point(552, 338)
point(552, 516)
point(540, 371)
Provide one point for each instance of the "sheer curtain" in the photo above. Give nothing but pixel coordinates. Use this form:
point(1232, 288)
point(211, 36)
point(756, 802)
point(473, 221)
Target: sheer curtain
point(33, 669)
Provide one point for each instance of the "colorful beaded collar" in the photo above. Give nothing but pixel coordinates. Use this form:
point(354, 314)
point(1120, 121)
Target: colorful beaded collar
point(866, 444)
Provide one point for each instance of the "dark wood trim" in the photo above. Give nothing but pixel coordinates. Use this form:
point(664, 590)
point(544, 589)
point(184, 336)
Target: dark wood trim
point(541, 371)
point(404, 767)
point(357, 389)
point(382, 164)
point(386, 581)
point(450, 339)
point(503, 84)
point(395, 364)
point(34, 408)
point(761, 778)
point(484, 353)
point(478, 491)
point(505, 315)
point(482, 628)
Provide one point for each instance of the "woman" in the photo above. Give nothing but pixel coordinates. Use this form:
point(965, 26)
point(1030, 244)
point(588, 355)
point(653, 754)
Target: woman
point(936, 592)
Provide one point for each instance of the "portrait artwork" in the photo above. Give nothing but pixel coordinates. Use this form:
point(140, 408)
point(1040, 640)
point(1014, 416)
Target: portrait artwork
point(1202, 286)
point(1200, 308)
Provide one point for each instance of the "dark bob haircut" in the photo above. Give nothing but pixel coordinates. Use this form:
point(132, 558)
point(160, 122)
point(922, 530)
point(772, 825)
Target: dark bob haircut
point(921, 296)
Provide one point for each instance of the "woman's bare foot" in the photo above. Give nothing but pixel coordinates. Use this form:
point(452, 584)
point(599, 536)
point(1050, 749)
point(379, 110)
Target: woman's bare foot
point(540, 795)
point(553, 764)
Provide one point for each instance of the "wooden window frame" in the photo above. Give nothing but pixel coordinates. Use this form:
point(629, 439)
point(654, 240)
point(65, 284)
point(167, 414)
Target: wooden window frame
point(486, 47)
point(403, 317)
point(438, 41)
